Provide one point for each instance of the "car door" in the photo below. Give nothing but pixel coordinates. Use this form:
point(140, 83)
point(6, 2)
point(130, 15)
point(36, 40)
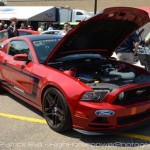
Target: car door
point(17, 73)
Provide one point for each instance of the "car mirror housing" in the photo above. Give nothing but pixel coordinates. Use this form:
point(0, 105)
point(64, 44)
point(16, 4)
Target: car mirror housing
point(21, 57)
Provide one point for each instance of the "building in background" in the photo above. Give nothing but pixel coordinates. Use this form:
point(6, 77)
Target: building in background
point(79, 4)
point(87, 5)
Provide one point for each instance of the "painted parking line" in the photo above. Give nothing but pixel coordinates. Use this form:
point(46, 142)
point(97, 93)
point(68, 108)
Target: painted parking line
point(23, 118)
point(42, 121)
point(136, 136)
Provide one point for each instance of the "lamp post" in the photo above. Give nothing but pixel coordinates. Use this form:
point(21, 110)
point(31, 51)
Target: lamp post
point(95, 6)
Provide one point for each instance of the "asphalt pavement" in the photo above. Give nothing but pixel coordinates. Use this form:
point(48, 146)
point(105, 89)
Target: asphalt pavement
point(23, 127)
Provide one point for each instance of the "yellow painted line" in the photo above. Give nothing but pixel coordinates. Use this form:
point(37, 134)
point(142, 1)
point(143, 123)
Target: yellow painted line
point(23, 118)
point(42, 121)
point(137, 136)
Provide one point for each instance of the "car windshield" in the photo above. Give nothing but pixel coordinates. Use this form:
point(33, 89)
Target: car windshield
point(44, 47)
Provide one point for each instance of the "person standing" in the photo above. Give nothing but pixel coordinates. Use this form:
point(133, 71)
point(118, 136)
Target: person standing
point(12, 29)
point(41, 28)
point(50, 27)
point(66, 29)
point(126, 51)
point(5, 26)
point(22, 26)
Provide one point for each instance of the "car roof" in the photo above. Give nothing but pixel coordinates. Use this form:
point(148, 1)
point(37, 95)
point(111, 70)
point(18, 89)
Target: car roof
point(47, 31)
point(42, 36)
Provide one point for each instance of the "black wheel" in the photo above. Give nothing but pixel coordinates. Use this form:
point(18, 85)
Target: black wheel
point(56, 110)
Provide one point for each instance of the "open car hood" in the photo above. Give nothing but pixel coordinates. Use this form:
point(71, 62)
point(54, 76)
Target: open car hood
point(102, 33)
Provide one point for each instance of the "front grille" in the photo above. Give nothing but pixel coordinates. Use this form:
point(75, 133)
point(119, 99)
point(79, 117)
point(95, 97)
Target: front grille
point(100, 122)
point(133, 118)
point(135, 95)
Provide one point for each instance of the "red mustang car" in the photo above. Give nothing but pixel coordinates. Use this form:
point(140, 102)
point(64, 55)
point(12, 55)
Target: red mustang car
point(4, 34)
point(73, 80)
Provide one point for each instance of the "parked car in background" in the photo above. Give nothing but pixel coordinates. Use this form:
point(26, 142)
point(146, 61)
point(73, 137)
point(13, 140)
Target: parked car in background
point(72, 79)
point(4, 33)
point(54, 32)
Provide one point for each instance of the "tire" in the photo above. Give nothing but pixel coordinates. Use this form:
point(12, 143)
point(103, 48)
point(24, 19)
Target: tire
point(56, 111)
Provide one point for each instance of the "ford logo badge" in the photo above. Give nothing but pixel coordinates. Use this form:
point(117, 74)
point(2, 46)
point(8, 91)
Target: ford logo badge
point(104, 113)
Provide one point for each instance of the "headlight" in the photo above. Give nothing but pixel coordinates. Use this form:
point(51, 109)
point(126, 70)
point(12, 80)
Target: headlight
point(96, 95)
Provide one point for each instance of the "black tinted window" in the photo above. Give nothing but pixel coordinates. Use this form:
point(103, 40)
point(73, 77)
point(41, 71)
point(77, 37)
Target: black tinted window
point(79, 13)
point(18, 47)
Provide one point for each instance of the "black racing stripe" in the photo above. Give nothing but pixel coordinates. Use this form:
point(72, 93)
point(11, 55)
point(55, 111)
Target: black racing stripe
point(35, 79)
point(18, 70)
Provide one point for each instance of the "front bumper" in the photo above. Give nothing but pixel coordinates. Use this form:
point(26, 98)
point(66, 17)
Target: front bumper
point(126, 117)
point(114, 131)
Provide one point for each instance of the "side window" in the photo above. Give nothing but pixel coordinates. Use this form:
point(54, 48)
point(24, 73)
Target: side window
point(79, 13)
point(18, 47)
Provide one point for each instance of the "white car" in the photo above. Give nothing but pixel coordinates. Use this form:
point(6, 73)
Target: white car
point(55, 32)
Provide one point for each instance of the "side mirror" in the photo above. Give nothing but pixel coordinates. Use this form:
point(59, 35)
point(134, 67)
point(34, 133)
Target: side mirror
point(21, 57)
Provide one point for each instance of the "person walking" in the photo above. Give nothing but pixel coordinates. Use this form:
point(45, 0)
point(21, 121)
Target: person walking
point(12, 29)
point(126, 51)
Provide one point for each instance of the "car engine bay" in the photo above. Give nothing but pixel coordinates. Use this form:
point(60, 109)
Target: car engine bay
point(101, 73)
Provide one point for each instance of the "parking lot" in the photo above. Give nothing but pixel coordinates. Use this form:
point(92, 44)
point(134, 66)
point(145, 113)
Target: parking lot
point(23, 127)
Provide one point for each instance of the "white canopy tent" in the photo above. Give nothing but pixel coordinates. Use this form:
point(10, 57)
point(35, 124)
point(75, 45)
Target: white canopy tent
point(28, 13)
